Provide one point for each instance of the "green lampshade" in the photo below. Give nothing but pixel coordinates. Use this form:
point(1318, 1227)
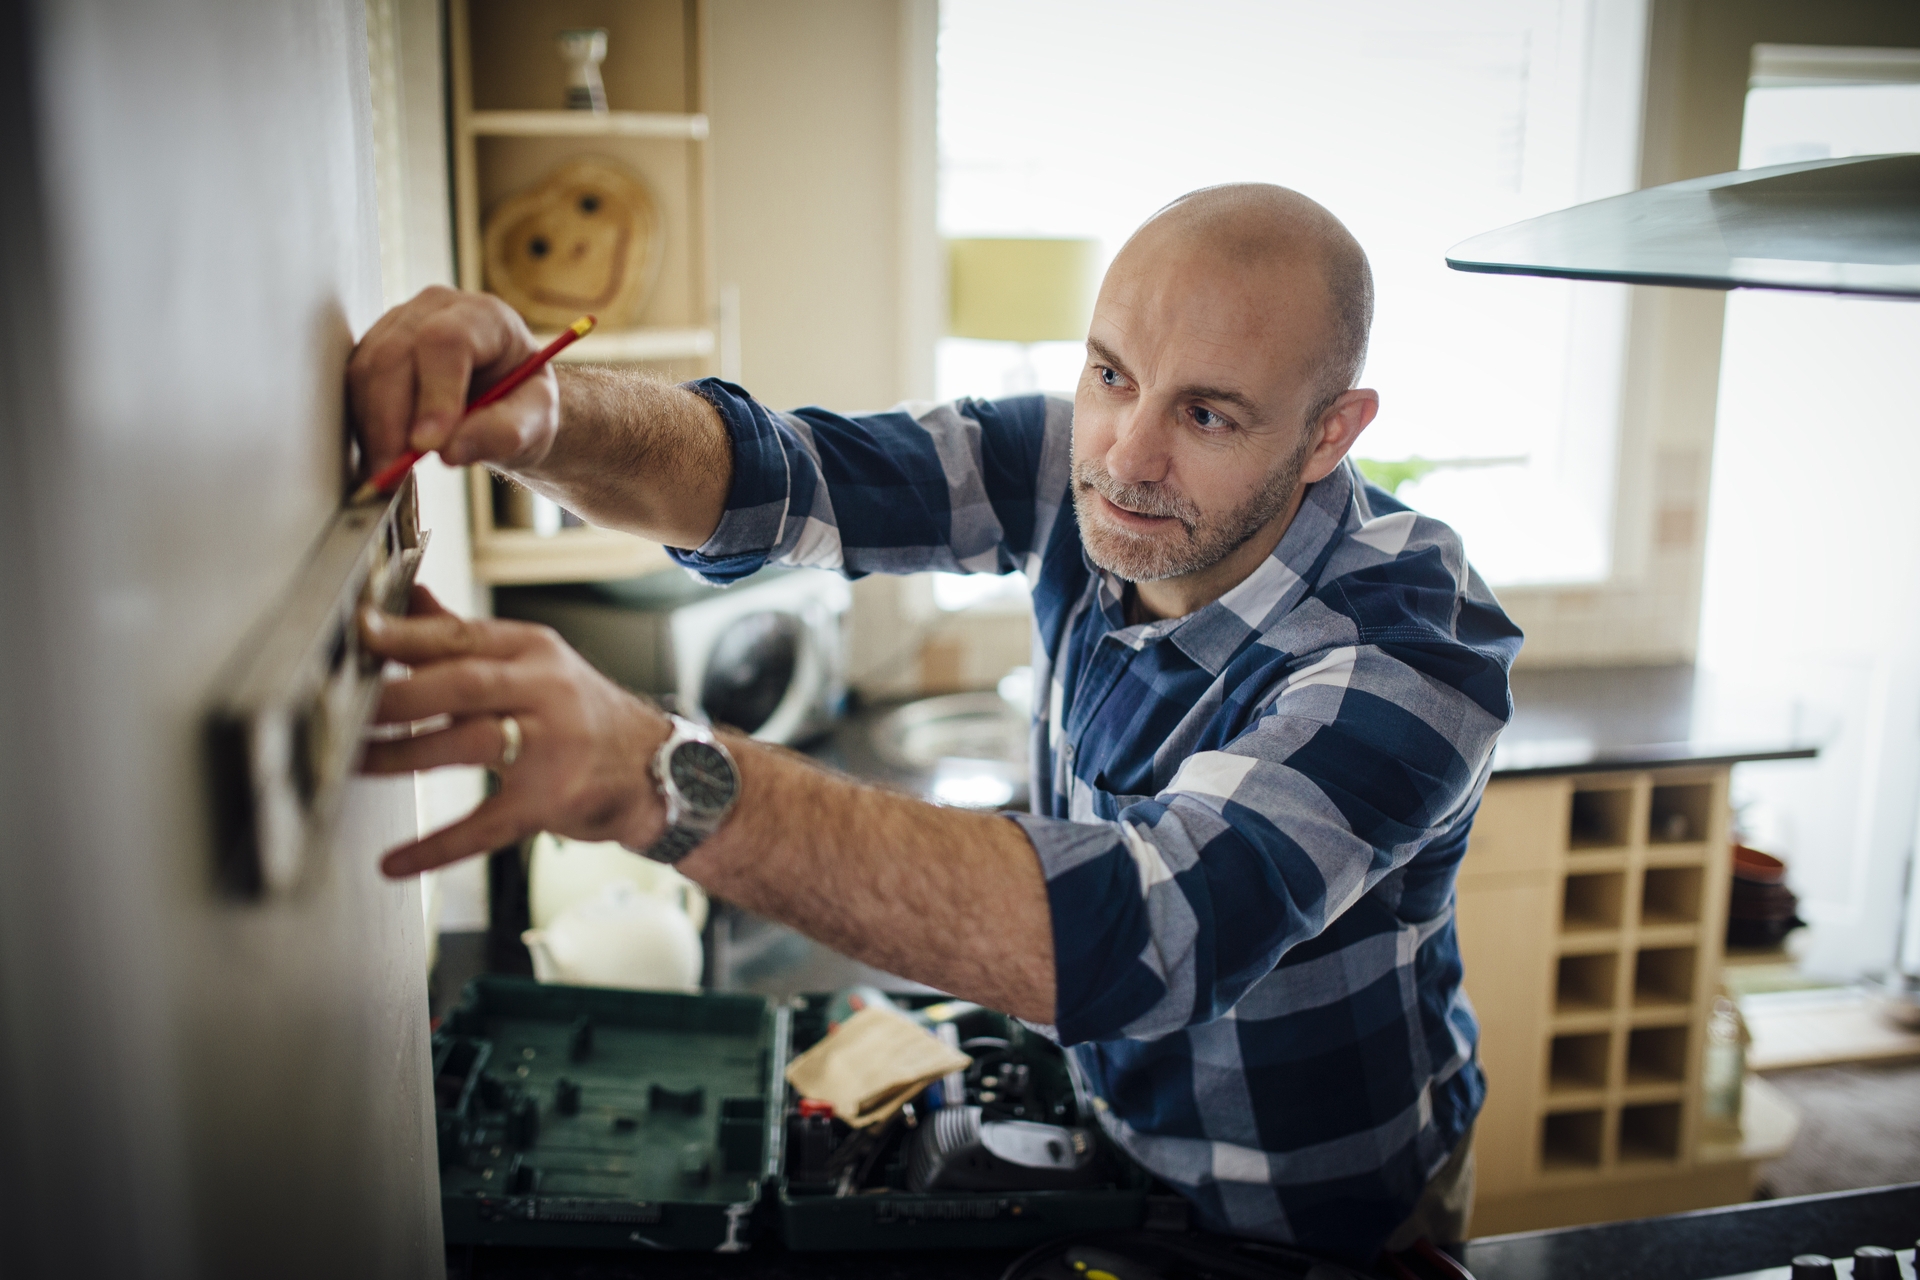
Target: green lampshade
point(1008, 290)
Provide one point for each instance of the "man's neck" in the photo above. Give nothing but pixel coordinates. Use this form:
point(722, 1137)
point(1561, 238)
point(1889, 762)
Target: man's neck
point(1178, 597)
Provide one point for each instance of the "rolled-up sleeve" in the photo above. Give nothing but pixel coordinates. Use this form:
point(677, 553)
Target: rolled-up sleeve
point(967, 487)
point(1165, 917)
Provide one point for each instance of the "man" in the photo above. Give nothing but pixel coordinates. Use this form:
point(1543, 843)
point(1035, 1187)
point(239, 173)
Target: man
point(1273, 694)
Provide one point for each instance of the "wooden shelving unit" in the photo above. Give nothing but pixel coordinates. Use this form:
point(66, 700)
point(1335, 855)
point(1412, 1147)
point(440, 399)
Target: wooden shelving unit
point(1592, 910)
point(508, 82)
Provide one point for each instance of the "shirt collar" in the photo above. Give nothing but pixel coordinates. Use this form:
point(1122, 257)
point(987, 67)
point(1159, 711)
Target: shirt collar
point(1213, 633)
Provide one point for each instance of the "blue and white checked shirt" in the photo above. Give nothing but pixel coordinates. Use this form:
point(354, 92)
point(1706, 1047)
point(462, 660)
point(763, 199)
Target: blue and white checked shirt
point(1249, 817)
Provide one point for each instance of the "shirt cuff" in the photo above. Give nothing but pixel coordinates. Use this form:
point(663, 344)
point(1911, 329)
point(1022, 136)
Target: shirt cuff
point(750, 528)
point(1100, 928)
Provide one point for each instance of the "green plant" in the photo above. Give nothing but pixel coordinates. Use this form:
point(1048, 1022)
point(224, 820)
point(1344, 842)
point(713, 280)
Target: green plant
point(1391, 475)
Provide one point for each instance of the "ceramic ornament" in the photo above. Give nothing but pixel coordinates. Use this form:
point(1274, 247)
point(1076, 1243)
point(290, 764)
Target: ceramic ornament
point(584, 51)
point(587, 238)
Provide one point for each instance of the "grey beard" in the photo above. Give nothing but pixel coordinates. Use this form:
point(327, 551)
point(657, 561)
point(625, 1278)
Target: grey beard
point(1202, 542)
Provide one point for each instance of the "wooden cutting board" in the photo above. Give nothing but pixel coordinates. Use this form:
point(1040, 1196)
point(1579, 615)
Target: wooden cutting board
point(585, 239)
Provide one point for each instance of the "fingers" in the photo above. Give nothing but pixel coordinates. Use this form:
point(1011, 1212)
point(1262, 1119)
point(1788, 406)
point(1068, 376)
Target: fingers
point(380, 375)
point(439, 635)
point(475, 740)
point(460, 688)
point(495, 824)
point(509, 430)
point(422, 603)
point(444, 354)
point(408, 380)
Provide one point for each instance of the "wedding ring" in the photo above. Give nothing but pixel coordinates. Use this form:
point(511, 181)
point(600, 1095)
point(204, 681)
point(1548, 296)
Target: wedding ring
point(509, 742)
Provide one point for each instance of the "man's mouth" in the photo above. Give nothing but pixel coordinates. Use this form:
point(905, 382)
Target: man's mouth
point(1128, 516)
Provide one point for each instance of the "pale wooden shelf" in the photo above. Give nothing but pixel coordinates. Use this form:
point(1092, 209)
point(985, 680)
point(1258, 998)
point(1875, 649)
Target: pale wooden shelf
point(586, 124)
point(1589, 940)
point(627, 346)
point(1682, 854)
point(1592, 952)
point(503, 77)
point(517, 557)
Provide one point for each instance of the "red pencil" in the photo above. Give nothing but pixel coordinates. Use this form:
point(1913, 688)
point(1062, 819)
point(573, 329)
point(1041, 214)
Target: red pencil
point(388, 477)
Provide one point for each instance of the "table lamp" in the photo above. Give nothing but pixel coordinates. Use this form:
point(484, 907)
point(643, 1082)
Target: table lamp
point(1003, 289)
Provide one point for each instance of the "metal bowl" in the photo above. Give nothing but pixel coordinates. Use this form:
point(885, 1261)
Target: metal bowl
point(968, 750)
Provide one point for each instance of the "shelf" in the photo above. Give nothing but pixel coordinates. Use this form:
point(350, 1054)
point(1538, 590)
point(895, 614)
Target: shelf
point(1650, 1133)
point(513, 557)
point(1578, 1064)
point(1584, 983)
point(1671, 896)
point(1657, 1056)
point(1588, 861)
point(1660, 854)
point(1601, 818)
point(1571, 1140)
point(1579, 942)
point(586, 124)
point(631, 346)
point(1663, 976)
point(1592, 902)
point(1679, 813)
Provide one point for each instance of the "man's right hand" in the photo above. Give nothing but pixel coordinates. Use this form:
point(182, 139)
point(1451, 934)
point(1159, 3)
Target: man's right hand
point(409, 380)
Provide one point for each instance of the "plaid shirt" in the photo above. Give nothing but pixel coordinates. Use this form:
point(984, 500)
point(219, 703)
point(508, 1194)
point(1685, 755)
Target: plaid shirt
point(1249, 817)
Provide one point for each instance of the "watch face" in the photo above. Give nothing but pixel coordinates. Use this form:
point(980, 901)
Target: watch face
point(704, 777)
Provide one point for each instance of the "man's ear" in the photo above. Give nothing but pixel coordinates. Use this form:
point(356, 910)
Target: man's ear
point(1338, 428)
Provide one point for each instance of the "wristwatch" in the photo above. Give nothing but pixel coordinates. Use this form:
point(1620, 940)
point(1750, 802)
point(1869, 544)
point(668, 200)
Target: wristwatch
point(698, 782)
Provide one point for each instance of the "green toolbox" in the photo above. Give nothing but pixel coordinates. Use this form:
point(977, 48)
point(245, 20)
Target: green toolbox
point(595, 1118)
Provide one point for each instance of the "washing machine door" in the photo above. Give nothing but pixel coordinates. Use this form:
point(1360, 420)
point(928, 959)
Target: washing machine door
point(751, 669)
point(765, 658)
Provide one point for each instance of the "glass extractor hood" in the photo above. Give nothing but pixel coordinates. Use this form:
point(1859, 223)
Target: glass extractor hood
point(1829, 226)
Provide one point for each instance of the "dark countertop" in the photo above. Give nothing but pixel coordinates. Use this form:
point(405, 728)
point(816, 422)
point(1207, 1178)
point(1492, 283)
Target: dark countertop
point(1566, 720)
point(1580, 719)
point(762, 1262)
point(1734, 1241)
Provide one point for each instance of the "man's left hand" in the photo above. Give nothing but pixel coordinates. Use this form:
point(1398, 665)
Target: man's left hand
point(580, 768)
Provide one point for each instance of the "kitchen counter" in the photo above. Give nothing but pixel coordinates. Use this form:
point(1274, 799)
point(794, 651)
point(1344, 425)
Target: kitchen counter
point(1580, 719)
point(1711, 1243)
point(1737, 1240)
point(1566, 720)
point(760, 1263)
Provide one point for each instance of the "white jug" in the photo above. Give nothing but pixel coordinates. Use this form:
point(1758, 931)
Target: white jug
point(563, 872)
point(619, 938)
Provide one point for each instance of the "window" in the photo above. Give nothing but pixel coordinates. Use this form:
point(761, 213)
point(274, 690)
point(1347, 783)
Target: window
point(1814, 461)
point(1418, 125)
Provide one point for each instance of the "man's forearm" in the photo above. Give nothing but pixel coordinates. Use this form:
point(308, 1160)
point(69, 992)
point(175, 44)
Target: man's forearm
point(636, 454)
point(945, 897)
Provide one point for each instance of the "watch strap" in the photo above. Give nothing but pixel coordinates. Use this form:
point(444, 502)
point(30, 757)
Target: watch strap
point(683, 836)
point(674, 844)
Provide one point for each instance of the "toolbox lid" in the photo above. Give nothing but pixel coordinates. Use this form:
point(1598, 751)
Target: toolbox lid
point(636, 1117)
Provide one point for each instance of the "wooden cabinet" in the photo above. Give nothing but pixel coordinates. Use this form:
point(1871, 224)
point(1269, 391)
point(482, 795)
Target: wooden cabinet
point(509, 131)
point(1592, 909)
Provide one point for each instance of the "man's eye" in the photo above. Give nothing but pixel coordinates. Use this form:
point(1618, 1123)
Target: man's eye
point(1111, 377)
point(1208, 419)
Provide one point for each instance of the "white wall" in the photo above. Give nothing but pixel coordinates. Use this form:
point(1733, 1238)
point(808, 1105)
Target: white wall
point(406, 52)
point(195, 1087)
point(823, 172)
point(822, 135)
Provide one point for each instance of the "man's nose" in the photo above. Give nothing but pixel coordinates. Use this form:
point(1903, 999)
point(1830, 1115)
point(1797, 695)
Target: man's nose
point(1140, 450)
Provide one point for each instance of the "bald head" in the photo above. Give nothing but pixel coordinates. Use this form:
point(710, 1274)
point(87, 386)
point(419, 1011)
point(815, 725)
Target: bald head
point(1256, 226)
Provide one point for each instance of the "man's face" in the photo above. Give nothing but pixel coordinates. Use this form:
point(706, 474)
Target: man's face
point(1189, 431)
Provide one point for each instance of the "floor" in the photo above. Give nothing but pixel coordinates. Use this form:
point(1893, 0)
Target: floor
point(1859, 1127)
